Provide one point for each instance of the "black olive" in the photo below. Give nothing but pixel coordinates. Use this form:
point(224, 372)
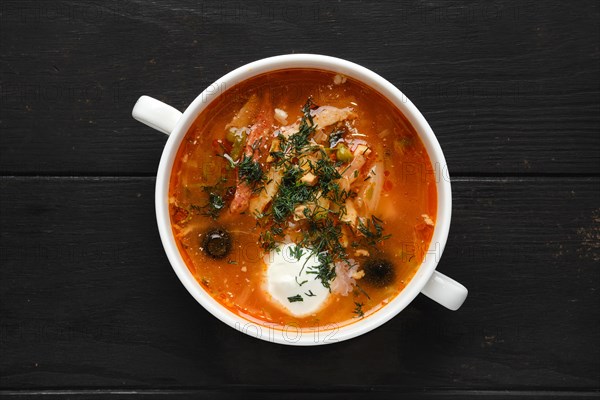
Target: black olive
point(379, 272)
point(216, 243)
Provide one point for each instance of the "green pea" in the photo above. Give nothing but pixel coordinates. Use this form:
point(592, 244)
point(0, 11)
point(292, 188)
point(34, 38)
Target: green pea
point(343, 153)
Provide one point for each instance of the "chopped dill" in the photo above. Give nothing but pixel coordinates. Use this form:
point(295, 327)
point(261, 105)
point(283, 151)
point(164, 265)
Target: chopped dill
point(300, 139)
point(296, 252)
point(372, 230)
point(291, 194)
point(267, 240)
point(259, 215)
point(310, 294)
point(277, 231)
point(213, 207)
point(198, 209)
point(363, 291)
point(324, 270)
point(326, 171)
point(295, 298)
point(215, 201)
point(300, 283)
point(250, 170)
point(358, 309)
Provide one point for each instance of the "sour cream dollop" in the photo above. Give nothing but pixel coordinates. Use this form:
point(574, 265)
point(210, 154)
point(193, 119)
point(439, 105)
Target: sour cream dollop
point(290, 284)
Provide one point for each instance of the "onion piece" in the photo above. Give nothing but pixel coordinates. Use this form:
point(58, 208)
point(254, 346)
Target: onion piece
point(258, 203)
point(371, 190)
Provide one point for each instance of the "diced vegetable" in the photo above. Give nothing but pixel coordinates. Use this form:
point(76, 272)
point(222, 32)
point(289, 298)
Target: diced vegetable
point(371, 191)
point(238, 139)
point(351, 172)
point(322, 206)
point(247, 113)
point(309, 178)
point(281, 116)
point(343, 153)
point(328, 115)
point(351, 215)
point(274, 148)
point(260, 202)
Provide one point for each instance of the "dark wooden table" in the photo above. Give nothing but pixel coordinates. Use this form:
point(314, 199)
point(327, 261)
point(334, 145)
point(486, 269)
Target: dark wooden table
point(89, 306)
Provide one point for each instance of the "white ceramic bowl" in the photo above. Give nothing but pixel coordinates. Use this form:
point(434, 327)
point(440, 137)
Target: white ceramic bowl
point(427, 280)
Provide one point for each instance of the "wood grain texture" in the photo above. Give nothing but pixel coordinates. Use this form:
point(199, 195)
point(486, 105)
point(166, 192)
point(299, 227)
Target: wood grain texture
point(88, 299)
point(89, 306)
point(508, 86)
point(261, 393)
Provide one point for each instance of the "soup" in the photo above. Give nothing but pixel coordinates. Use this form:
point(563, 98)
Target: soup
point(302, 197)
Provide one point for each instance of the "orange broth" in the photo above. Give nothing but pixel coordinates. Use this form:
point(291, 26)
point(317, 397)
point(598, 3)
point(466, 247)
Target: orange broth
point(406, 207)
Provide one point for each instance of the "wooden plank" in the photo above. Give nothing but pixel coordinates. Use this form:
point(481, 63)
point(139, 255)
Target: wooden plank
point(88, 299)
point(509, 86)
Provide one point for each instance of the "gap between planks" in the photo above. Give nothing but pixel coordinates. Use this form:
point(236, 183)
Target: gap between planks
point(241, 389)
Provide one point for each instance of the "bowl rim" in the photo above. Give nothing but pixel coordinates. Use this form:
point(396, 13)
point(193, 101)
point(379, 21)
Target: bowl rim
point(331, 333)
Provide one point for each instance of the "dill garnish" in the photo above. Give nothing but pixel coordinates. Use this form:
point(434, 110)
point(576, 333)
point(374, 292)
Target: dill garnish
point(213, 207)
point(372, 230)
point(300, 283)
point(326, 170)
point(358, 309)
point(267, 240)
point(197, 208)
point(291, 194)
point(296, 252)
point(299, 140)
point(250, 170)
point(324, 270)
point(362, 291)
point(295, 298)
point(310, 294)
point(215, 201)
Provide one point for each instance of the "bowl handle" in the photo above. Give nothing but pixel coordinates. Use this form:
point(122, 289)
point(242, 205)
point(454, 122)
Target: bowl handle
point(156, 114)
point(445, 291)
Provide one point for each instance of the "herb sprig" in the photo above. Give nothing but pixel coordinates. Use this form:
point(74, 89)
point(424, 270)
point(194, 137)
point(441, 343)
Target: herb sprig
point(372, 230)
point(324, 270)
point(216, 201)
point(295, 298)
point(250, 170)
point(358, 309)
